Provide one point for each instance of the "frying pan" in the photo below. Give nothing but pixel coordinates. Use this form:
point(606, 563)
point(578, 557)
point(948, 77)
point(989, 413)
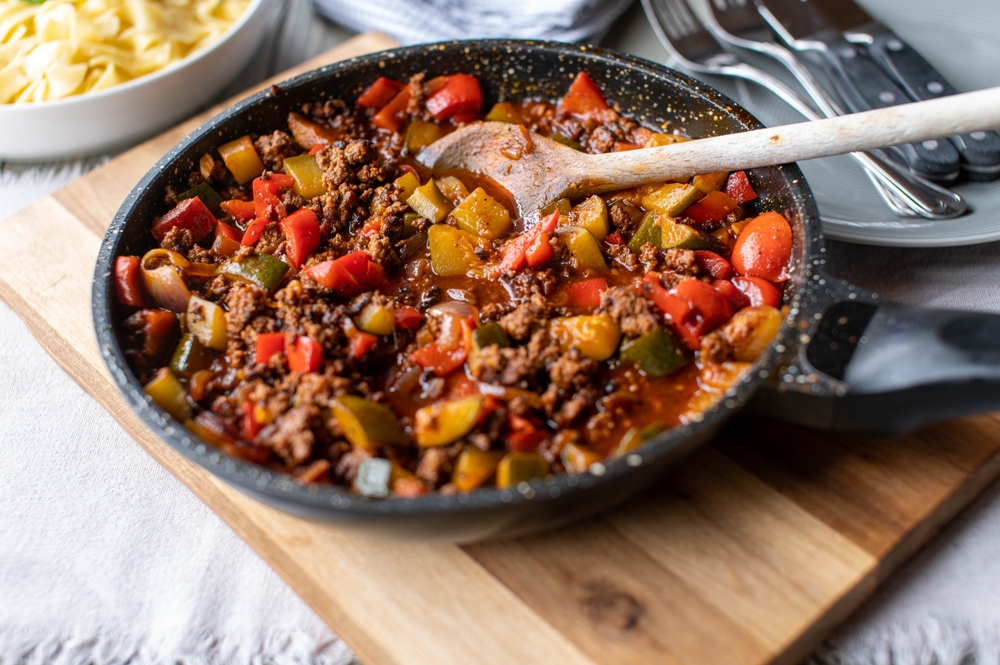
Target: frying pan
point(844, 360)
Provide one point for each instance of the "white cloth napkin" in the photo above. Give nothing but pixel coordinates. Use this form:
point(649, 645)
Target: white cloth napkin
point(421, 21)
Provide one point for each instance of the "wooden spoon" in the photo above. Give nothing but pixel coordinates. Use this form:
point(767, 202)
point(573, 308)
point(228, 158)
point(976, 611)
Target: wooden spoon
point(537, 170)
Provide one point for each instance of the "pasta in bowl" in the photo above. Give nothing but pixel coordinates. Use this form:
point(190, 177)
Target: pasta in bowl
point(83, 77)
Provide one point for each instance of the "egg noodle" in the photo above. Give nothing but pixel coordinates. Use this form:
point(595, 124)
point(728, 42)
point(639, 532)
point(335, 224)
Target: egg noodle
point(53, 49)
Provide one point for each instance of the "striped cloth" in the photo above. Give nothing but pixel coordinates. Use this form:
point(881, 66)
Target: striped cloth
point(422, 21)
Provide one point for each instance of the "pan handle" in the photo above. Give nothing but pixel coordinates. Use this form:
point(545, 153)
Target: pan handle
point(867, 366)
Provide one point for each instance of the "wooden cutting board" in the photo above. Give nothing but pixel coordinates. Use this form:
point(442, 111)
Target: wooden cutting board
point(750, 553)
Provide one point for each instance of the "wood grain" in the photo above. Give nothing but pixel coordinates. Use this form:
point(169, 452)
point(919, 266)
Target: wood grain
point(749, 553)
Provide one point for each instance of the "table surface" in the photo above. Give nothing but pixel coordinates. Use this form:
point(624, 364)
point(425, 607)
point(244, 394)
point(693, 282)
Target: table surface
point(959, 277)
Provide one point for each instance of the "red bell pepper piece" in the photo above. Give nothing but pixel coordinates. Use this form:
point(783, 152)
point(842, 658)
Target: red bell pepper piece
point(266, 202)
point(379, 93)
point(157, 330)
point(252, 234)
point(514, 252)
point(408, 318)
point(738, 187)
point(229, 231)
point(190, 214)
point(758, 291)
point(460, 95)
point(731, 293)
point(621, 146)
point(375, 276)
point(372, 226)
point(583, 97)
point(678, 310)
point(713, 208)
point(360, 344)
point(305, 355)
point(587, 294)
point(615, 238)
point(349, 275)
point(393, 114)
point(764, 248)
point(713, 264)
point(540, 250)
point(242, 211)
point(317, 148)
point(251, 426)
point(525, 441)
point(267, 345)
point(440, 360)
point(302, 235)
point(128, 281)
point(710, 310)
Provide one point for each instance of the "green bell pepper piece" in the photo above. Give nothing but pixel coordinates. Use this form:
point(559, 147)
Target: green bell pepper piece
point(261, 269)
point(489, 334)
point(190, 356)
point(657, 352)
point(206, 193)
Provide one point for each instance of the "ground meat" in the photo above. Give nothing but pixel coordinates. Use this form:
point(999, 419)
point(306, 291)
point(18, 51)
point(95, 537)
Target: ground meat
point(624, 216)
point(649, 256)
point(382, 252)
point(571, 369)
point(291, 436)
point(715, 349)
point(680, 261)
point(526, 318)
point(601, 140)
point(433, 466)
point(271, 238)
point(274, 147)
point(178, 240)
point(623, 256)
point(530, 283)
point(633, 311)
point(243, 302)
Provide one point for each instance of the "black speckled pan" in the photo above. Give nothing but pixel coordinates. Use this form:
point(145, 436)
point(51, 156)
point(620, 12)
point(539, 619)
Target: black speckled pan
point(909, 367)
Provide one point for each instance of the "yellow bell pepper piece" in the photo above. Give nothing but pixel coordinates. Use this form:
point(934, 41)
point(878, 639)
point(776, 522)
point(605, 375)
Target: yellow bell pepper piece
point(376, 319)
point(751, 330)
point(474, 467)
point(671, 199)
point(452, 250)
point(421, 134)
point(710, 182)
point(595, 335)
point(308, 175)
point(517, 468)
point(207, 322)
point(442, 423)
point(428, 201)
point(577, 458)
point(367, 424)
point(479, 213)
point(592, 215)
point(241, 159)
point(505, 112)
point(453, 189)
point(168, 394)
point(409, 183)
point(583, 247)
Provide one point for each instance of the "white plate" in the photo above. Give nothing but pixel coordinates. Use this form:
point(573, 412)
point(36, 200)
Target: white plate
point(958, 37)
point(119, 116)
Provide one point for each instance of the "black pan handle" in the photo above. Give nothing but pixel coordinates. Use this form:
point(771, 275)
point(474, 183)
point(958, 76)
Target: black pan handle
point(980, 151)
point(864, 86)
point(867, 366)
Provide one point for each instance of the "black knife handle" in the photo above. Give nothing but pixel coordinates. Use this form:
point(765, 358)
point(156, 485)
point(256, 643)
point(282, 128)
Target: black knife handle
point(864, 86)
point(980, 151)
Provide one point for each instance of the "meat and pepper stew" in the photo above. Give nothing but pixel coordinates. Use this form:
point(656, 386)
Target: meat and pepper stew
point(320, 304)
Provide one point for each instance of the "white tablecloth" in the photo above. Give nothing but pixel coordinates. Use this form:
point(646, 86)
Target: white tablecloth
point(106, 558)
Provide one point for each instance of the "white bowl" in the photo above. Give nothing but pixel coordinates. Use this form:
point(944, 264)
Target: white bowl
point(123, 115)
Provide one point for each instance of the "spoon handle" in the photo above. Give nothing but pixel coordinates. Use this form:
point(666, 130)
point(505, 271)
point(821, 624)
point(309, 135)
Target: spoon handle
point(857, 132)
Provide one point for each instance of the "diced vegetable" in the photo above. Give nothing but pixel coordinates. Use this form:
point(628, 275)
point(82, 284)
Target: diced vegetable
point(309, 134)
point(505, 112)
point(665, 233)
point(376, 319)
point(242, 211)
point(659, 138)
point(562, 206)
point(349, 275)
point(268, 345)
point(228, 230)
point(479, 213)
point(732, 294)
point(526, 440)
point(460, 95)
point(592, 215)
point(161, 275)
point(693, 307)
point(453, 189)
point(254, 231)
point(583, 97)
point(713, 264)
point(711, 209)
point(420, 134)
point(751, 330)
point(442, 423)
point(266, 196)
point(168, 394)
point(393, 114)
point(261, 269)
point(207, 321)
point(372, 479)
point(302, 235)
point(412, 245)
point(657, 352)
point(360, 344)
point(758, 291)
point(587, 294)
point(738, 187)
point(578, 458)
point(490, 334)
point(308, 175)
point(596, 336)
point(517, 468)
point(367, 424)
point(671, 199)
point(409, 182)
point(241, 159)
point(710, 182)
point(202, 191)
point(408, 318)
point(213, 429)
point(304, 355)
point(379, 93)
point(583, 247)
point(128, 281)
point(191, 215)
point(764, 248)
point(635, 437)
point(515, 251)
point(474, 467)
point(429, 202)
point(190, 356)
point(452, 250)
point(223, 245)
point(540, 251)
point(648, 232)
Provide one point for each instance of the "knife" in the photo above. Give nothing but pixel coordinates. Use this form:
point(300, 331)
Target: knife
point(980, 151)
point(859, 80)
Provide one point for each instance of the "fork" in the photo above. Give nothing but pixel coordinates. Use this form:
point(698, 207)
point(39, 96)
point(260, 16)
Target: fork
point(692, 47)
point(740, 24)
